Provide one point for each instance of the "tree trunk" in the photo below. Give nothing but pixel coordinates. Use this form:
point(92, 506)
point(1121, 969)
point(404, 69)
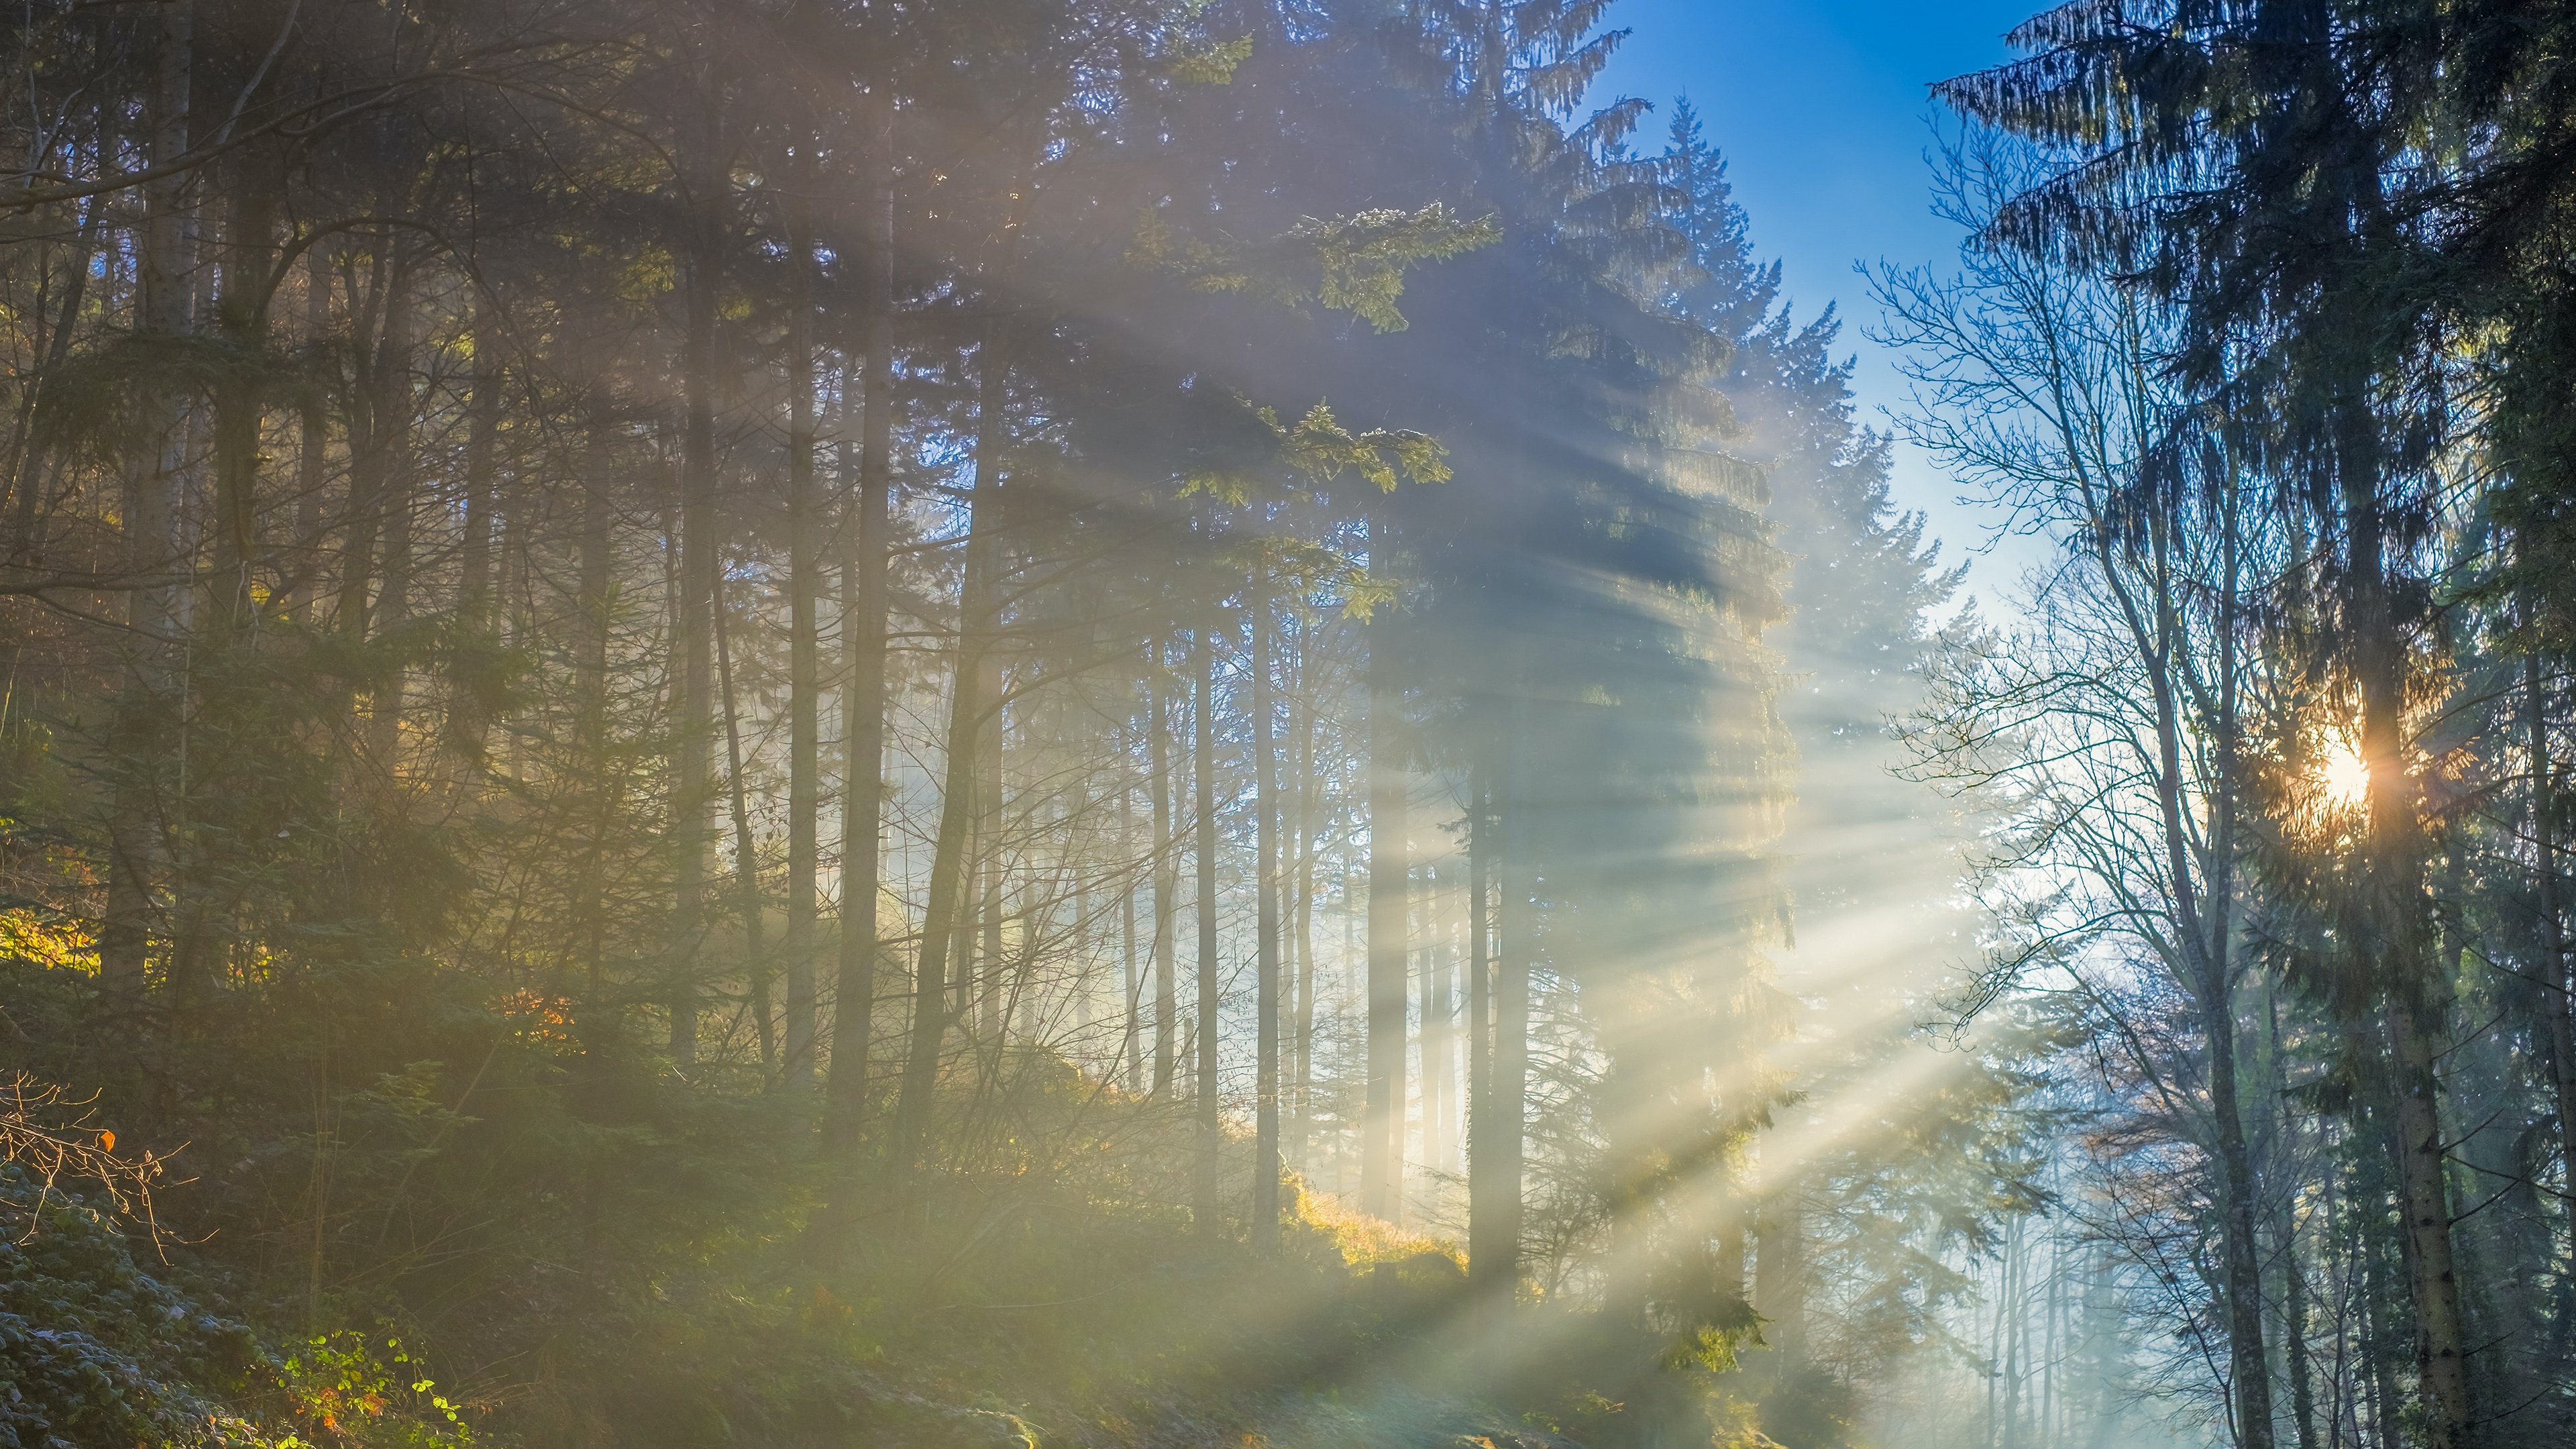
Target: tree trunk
point(2552, 933)
point(1302, 940)
point(2243, 1282)
point(1203, 1173)
point(700, 547)
point(313, 438)
point(149, 487)
point(241, 314)
point(588, 937)
point(1390, 869)
point(959, 809)
point(1265, 812)
point(365, 504)
point(391, 439)
point(1131, 1001)
point(2201, 890)
point(466, 723)
point(804, 653)
point(863, 645)
point(988, 980)
point(482, 420)
point(1494, 1231)
point(746, 856)
point(1167, 886)
point(2424, 1207)
point(2294, 1327)
point(1480, 1008)
point(2414, 985)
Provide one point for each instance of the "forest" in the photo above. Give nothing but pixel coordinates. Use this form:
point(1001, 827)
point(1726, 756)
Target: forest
point(1172, 723)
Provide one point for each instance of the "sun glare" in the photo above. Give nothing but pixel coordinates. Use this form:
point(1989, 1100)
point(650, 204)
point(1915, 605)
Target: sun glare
point(2345, 775)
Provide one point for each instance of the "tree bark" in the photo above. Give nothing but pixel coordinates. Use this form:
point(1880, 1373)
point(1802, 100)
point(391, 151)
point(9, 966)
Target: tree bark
point(746, 856)
point(149, 482)
point(1390, 871)
point(959, 809)
point(313, 439)
point(466, 724)
point(588, 937)
point(1203, 1173)
point(700, 547)
point(482, 422)
point(1167, 886)
point(1301, 938)
point(863, 645)
point(2424, 1207)
point(2552, 933)
point(1494, 1232)
point(1480, 1006)
point(804, 650)
point(1131, 1000)
point(392, 441)
point(1265, 810)
point(986, 983)
point(2414, 986)
point(242, 315)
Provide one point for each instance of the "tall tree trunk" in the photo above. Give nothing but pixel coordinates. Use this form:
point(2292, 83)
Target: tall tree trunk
point(313, 440)
point(368, 310)
point(1131, 1001)
point(2201, 888)
point(988, 982)
point(2373, 1189)
point(1494, 1231)
point(2552, 932)
point(2249, 1357)
point(863, 644)
point(959, 809)
point(2242, 1271)
point(2424, 1207)
point(466, 723)
point(1390, 871)
point(700, 562)
point(1439, 1072)
point(2294, 1330)
point(149, 489)
point(1203, 1169)
point(241, 314)
point(593, 580)
point(1167, 887)
point(746, 854)
point(2415, 986)
point(392, 413)
point(1480, 1002)
point(482, 422)
point(1302, 934)
point(804, 652)
point(1265, 812)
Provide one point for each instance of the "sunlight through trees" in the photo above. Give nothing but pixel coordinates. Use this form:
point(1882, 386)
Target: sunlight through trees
point(1204, 722)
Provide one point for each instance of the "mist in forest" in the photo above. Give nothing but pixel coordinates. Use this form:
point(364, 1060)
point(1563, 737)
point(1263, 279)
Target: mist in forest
point(1210, 722)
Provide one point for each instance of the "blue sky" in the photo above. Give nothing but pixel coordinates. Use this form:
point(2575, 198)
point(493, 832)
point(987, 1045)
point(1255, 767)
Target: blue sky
point(1820, 109)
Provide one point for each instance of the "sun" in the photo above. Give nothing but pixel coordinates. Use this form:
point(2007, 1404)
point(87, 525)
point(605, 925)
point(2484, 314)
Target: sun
point(2344, 775)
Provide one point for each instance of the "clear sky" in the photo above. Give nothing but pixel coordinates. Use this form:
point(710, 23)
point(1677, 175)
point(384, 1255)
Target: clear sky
point(1820, 109)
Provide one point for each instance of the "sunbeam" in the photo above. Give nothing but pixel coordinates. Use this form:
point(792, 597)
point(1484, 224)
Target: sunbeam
point(1223, 724)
